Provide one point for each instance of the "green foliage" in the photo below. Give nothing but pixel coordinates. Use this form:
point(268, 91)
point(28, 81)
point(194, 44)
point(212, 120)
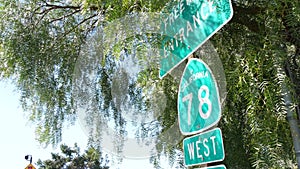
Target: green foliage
point(40, 45)
point(115, 9)
point(255, 119)
point(40, 52)
point(70, 158)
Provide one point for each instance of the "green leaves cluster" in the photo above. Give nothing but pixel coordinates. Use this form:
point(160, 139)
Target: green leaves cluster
point(40, 52)
point(115, 9)
point(255, 118)
point(40, 44)
point(71, 158)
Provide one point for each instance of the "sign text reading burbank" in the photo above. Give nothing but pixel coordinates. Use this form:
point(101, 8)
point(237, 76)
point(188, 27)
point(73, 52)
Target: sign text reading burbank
point(187, 26)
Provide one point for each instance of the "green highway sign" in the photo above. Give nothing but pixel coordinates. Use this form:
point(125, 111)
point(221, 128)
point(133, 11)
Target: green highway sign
point(187, 26)
point(214, 167)
point(199, 105)
point(204, 148)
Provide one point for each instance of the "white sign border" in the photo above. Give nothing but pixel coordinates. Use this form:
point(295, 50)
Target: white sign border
point(218, 96)
point(217, 128)
point(214, 32)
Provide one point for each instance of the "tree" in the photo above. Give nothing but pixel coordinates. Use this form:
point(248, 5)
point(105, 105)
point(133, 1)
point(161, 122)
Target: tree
point(41, 42)
point(254, 92)
point(72, 159)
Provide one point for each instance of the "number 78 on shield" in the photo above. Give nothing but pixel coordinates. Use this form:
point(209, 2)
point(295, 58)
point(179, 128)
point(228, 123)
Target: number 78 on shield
point(198, 99)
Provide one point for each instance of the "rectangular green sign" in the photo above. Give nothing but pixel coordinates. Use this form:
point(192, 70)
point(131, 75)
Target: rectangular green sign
point(204, 148)
point(187, 26)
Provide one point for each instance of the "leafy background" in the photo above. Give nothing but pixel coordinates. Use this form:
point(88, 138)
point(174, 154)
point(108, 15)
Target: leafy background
point(259, 48)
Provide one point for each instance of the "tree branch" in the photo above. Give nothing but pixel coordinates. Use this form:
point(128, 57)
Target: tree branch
point(91, 27)
point(84, 20)
point(43, 13)
point(50, 7)
point(65, 16)
point(62, 6)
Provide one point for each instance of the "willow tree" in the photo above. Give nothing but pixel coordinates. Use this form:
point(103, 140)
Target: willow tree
point(259, 45)
point(41, 42)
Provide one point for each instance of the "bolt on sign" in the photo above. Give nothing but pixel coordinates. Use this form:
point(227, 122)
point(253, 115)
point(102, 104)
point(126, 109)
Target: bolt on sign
point(187, 26)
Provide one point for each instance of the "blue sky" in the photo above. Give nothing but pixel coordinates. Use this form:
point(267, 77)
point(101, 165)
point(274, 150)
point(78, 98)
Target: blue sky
point(17, 135)
point(18, 138)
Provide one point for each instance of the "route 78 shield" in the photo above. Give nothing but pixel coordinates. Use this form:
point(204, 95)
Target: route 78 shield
point(199, 105)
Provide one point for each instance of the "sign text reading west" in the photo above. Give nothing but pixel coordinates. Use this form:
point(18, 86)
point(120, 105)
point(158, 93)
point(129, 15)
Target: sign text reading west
point(204, 148)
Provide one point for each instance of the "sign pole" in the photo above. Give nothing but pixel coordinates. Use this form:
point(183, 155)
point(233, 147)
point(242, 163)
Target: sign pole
point(188, 25)
point(29, 158)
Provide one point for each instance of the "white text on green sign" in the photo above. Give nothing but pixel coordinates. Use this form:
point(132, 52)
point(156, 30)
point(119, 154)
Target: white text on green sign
point(187, 26)
point(199, 105)
point(204, 148)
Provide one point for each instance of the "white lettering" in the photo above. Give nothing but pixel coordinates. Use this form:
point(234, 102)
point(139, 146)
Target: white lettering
point(165, 52)
point(166, 23)
point(198, 75)
point(188, 28)
point(212, 138)
point(181, 32)
point(204, 15)
point(207, 148)
point(188, 2)
point(176, 39)
point(181, 7)
point(196, 19)
point(204, 12)
point(198, 148)
point(211, 7)
point(176, 14)
point(191, 151)
point(171, 18)
point(171, 45)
